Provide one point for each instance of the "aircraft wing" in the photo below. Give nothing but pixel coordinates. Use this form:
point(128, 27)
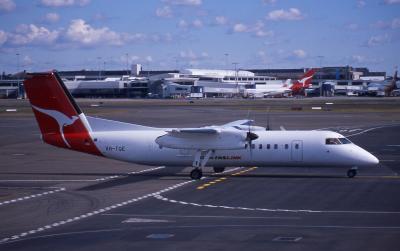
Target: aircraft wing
point(239, 123)
point(203, 138)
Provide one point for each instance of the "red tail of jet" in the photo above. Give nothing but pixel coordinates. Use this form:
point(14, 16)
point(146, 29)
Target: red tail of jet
point(60, 119)
point(305, 82)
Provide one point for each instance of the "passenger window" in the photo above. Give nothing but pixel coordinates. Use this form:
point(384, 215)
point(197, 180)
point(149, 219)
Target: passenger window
point(245, 146)
point(268, 146)
point(260, 146)
point(276, 146)
point(296, 146)
point(286, 146)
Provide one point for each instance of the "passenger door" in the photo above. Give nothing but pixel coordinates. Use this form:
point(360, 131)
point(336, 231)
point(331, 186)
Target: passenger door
point(297, 150)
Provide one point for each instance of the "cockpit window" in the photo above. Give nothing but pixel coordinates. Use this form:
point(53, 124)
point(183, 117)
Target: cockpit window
point(345, 140)
point(332, 141)
point(337, 141)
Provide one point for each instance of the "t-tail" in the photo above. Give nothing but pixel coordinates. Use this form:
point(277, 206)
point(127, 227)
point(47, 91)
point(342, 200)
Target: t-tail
point(60, 119)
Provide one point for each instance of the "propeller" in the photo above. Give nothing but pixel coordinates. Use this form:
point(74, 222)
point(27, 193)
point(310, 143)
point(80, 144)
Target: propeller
point(250, 136)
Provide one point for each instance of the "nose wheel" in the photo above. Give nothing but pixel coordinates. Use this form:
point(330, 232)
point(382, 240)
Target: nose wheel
point(196, 174)
point(351, 173)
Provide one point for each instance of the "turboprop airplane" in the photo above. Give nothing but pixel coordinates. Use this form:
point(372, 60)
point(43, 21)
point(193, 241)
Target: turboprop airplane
point(238, 143)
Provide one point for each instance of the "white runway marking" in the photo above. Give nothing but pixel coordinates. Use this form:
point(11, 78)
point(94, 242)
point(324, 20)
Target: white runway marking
point(94, 180)
point(205, 216)
point(160, 197)
point(371, 129)
point(109, 230)
point(7, 202)
point(102, 210)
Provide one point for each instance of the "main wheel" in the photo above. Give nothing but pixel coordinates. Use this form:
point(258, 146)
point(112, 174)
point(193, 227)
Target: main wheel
point(219, 169)
point(196, 174)
point(351, 173)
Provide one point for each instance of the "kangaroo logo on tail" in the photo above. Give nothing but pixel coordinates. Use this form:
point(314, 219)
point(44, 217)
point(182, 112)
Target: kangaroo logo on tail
point(61, 119)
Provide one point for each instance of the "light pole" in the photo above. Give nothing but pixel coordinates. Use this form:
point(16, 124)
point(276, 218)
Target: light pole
point(99, 65)
point(127, 63)
point(18, 92)
point(236, 77)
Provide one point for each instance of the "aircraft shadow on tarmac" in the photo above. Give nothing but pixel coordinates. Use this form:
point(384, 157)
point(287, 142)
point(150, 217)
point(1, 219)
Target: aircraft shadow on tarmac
point(128, 179)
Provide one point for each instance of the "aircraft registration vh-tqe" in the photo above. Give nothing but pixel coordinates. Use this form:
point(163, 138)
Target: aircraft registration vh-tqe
point(238, 143)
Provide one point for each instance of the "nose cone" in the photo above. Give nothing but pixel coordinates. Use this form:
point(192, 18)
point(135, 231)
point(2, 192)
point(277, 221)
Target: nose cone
point(367, 159)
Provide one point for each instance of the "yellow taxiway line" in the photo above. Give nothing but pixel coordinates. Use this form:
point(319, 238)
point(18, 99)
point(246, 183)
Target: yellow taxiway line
point(219, 180)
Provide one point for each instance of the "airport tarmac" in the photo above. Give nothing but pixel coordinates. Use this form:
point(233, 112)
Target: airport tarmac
point(52, 198)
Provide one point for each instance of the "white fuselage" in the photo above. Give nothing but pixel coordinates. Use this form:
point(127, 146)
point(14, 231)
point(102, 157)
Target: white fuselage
point(272, 148)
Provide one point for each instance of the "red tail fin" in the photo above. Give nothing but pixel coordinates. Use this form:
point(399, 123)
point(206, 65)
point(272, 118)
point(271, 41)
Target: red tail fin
point(60, 119)
point(304, 82)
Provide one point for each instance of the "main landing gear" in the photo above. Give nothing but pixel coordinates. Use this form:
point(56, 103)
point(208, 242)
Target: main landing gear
point(352, 173)
point(200, 159)
point(196, 174)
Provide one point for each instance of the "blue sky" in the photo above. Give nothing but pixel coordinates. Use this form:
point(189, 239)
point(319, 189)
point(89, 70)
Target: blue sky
point(170, 34)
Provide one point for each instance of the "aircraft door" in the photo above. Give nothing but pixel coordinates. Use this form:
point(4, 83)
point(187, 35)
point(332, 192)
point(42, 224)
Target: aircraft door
point(297, 150)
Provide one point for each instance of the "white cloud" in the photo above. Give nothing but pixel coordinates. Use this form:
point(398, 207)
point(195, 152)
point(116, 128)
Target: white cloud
point(32, 34)
point(257, 29)
point(7, 5)
point(184, 2)
point(262, 33)
point(361, 3)
point(3, 37)
point(299, 53)
point(358, 59)
point(27, 60)
point(128, 58)
point(189, 54)
point(291, 14)
point(183, 24)
point(52, 17)
point(395, 23)
point(197, 23)
point(391, 1)
point(64, 3)
point(149, 59)
point(221, 20)
point(240, 28)
point(378, 40)
point(164, 11)
point(81, 32)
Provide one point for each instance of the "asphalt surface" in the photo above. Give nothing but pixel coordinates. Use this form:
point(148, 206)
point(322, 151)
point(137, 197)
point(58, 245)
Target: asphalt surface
point(54, 199)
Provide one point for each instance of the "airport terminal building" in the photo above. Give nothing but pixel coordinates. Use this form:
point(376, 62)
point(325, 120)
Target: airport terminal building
point(196, 83)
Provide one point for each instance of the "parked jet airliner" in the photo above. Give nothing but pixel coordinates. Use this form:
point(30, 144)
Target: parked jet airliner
point(238, 143)
point(295, 88)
